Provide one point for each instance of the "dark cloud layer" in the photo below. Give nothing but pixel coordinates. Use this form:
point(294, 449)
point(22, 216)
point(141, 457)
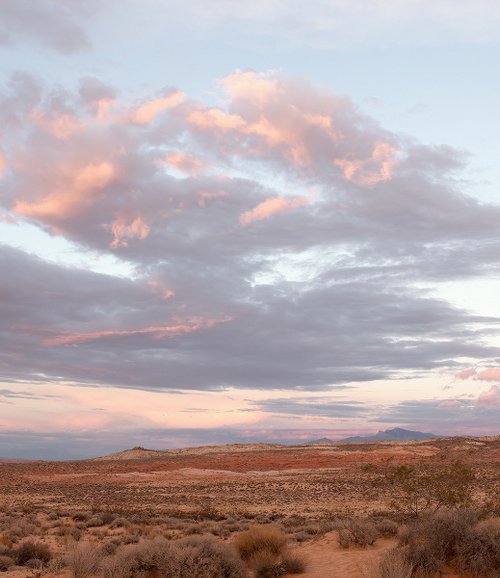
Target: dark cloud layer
point(278, 241)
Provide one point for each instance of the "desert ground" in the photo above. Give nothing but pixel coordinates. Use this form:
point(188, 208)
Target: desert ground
point(308, 492)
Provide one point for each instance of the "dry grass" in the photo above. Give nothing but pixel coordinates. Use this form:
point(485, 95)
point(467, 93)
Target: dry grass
point(260, 539)
point(393, 565)
point(84, 560)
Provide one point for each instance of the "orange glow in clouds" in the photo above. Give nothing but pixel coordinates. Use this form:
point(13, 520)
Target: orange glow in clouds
point(71, 199)
point(147, 112)
point(270, 207)
point(181, 327)
point(62, 126)
point(123, 231)
point(186, 163)
point(378, 168)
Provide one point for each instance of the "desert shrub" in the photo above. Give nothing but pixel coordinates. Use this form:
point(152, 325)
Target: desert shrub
point(416, 491)
point(434, 540)
point(479, 550)
point(84, 560)
point(393, 565)
point(209, 512)
point(5, 563)
point(108, 548)
point(260, 538)
point(386, 527)
point(95, 521)
point(207, 557)
point(81, 516)
point(119, 523)
point(56, 564)
point(203, 557)
point(31, 551)
point(293, 564)
point(266, 564)
point(357, 532)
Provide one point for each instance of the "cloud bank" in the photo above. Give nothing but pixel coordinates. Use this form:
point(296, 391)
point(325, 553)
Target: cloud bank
point(278, 240)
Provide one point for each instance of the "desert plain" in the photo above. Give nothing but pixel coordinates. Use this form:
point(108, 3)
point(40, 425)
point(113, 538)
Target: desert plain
point(306, 491)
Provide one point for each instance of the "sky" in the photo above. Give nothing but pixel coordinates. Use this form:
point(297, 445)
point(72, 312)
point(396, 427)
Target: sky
point(229, 222)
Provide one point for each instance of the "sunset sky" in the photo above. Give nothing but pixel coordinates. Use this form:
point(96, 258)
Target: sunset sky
point(226, 221)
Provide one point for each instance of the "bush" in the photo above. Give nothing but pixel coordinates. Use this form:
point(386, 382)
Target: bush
point(84, 560)
point(207, 557)
point(386, 527)
point(393, 565)
point(294, 564)
point(195, 557)
point(453, 538)
point(479, 551)
point(32, 551)
point(5, 563)
point(416, 492)
point(266, 564)
point(357, 532)
point(260, 538)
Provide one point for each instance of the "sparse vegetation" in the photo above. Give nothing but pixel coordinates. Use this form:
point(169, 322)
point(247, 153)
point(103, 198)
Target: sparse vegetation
point(416, 491)
point(357, 532)
point(206, 521)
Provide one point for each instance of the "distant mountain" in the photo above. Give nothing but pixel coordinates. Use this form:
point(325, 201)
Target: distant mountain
point(321, 441)
point(394, 434)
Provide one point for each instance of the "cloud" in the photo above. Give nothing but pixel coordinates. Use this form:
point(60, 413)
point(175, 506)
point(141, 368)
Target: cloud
point(148, 111)
point(465, 374)
point(180, 327)
point(123, 231)
point(322, 288)
point(271, 207)
point(490, 398)
point(489, 374)
point(53, 24)
point(72, 197)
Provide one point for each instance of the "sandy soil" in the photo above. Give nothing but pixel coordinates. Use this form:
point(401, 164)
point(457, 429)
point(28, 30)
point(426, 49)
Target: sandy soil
point(302, 487)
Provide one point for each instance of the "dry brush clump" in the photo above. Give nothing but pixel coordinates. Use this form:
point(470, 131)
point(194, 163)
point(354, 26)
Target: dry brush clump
point(454, 538)
point(357, 532)
point(195, 557)
point(264, 549)
point(393, 565)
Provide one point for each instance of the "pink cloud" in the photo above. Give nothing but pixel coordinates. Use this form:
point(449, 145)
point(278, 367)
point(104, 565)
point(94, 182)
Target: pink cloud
point(490, 398)
point(271, 207)
point(378, 168)
point(186, 163)
point(465, 374)
point(148, 111)
point(123, 231)
point(251, 86)
point(2, 164)
point(73, 196)
point(215, 118)
point(181, 326)
point(61, 126)
point(490, 374)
